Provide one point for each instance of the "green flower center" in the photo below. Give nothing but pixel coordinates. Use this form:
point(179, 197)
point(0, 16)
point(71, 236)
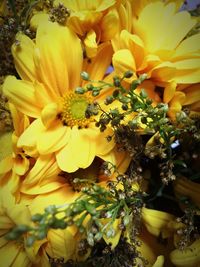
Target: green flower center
point(73, 110)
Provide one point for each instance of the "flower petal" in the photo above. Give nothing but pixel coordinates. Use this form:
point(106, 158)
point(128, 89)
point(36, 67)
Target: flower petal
point(49, 114)
point(192, 94)
point(44, 168)
point(97, 67)
point(57, 67)
point(53, 138)
point(123, 60)
point(28, 139)
point(83, 147)
point(169, 92)
point(22, 95)
point(23, 57)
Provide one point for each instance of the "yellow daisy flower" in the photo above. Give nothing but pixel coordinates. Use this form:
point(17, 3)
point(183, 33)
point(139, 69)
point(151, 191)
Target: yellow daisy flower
point(60, 243)
point(50, 69)
point(95, 22)
point(15, 253)
point(157, 45)
point(182, 96)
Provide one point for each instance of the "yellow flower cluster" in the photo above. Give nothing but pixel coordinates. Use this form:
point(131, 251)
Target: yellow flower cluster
point(53, 141)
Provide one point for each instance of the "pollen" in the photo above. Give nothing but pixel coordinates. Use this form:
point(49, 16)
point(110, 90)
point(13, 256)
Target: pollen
point(74, 107)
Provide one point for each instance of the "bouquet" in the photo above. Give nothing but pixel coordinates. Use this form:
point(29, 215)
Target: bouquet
point(99, 133)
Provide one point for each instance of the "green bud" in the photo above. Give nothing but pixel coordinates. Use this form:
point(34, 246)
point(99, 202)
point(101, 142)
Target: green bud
point(85, 76)
point(98, 236)
point(51, 209)
point(149, 101)
point(125, 107)
point(143, 77)
point(132, 124)
point(36, 217)
point(144, 120)
point(126, 220)
point(110, 233)
point(22, 228)
point(128, 74)
point(95, 93)
point(115, 93)
point(124, 99)
point(109, 100)
point(114, 112)
point(41, 234)
point(79, 90)
point(30, 240)
point(90, 87)
point(90, 208)
point(59, 224)
point(77, 208)
point(90, 239)
point(143, 93)
point(81, 229)
point(116, 81)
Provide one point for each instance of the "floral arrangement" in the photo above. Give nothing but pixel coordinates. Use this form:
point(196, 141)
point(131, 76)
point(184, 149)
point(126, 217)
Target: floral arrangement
point(99, 133)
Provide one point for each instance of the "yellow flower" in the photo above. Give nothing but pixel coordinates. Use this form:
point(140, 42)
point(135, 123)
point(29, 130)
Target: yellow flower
point(154, 42)
point(95, 22)
point(179, 96)
point(15, 253)
point(157, 45)
point(60, 243)
point(50, 70)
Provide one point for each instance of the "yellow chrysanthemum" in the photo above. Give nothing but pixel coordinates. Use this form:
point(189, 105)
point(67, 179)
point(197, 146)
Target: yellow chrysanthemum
point(15, 253)
point(50, 69)
point(95, 22)
point(183, 95)
point(157, 45)
point(154, 43)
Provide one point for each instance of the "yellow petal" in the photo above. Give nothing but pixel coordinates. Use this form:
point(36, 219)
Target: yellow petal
point(166, 29)
point(57, 67)
point(28, 140)
point(64, 159)
point(37, 19)
point(5, 145)
point(187, 76)
point(109, 25)
point(163, 72)
point(62, 196)
point(21, 165)
point(192, 94)
point(187, 46)
point(49, 114)
point(20, 122)
point(91, 44)
point(53, 138)
point(61, 244)
point(43, 187)
point(123, 60)
point(6, 165)
point(83, 147)
point(23, 57)
point(97, 67)
point(169, 92)
point(115, 239)
point(9, 253)
point(44, 167)
point(159, 261)
point(135, 44)
point(22, 95)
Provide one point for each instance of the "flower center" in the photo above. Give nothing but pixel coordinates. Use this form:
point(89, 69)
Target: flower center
point(73, 110)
